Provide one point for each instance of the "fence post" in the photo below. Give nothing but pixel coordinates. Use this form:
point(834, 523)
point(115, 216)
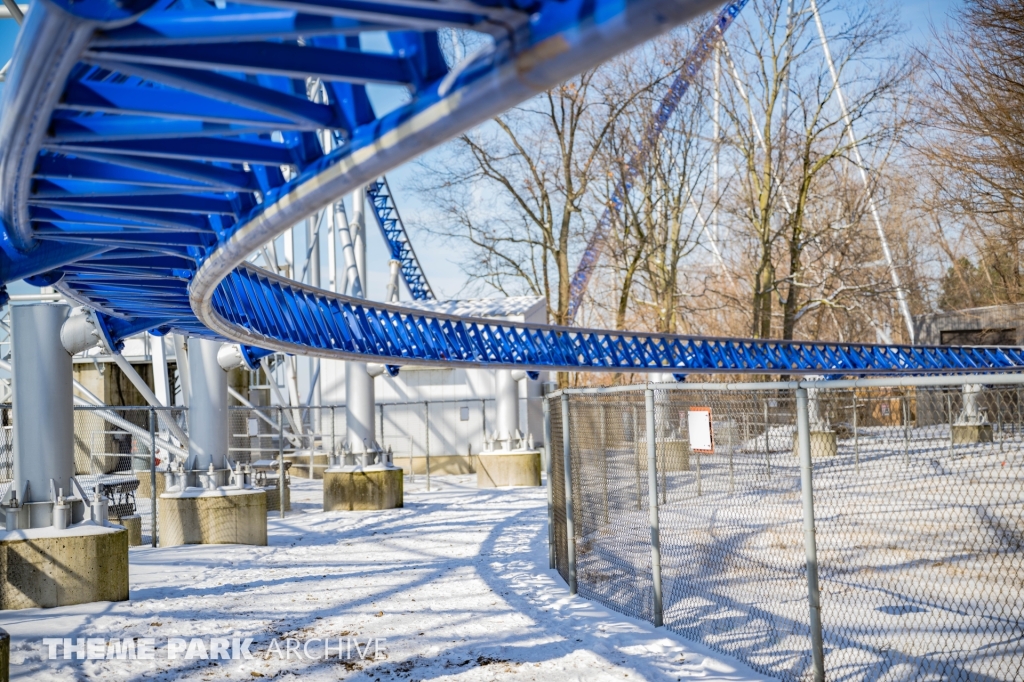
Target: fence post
point(810, 545)
point(551, 499)
point(949, 409)
point(280, 461)
point(570, 527)
point(426, 441)
point(767, 444)
point(906, 430)
point(856, 441)
point(334, 436)
point(652, 499)
point(152, 475)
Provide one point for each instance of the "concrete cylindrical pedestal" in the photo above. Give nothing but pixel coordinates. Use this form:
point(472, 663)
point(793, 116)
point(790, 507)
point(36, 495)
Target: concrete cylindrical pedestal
point(213, 517)
point(132, 524)
point(503, 469)
point(967, 434)
point(363, 489)
point(274, 500)
point(84, 564)
point(823, 444)
point(5, 656)
point(300, 463)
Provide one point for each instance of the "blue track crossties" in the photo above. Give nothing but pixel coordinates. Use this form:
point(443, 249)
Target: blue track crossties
point(149, 149)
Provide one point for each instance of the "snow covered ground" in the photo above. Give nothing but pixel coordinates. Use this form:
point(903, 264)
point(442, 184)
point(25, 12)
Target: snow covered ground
point(456, 583)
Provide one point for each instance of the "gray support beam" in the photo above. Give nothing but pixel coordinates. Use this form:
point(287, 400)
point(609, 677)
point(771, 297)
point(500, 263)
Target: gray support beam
point(44, 414)
point(208, 406)
point(570, 526)
point(803, 430)
point(551, 496)
point(652, 499)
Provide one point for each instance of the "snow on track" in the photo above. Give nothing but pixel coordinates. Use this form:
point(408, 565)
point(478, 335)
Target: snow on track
point(456, 582)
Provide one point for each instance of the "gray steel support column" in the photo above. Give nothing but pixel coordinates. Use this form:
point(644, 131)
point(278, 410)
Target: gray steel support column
point(570, 527)
point(208, 405)
point(652, 499)
point(551, 495)
point(506, 404)
point(44, 415)
point(803, 431)
point(359, 388)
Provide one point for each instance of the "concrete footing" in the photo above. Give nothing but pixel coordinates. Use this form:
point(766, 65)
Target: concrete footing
point(966, 434)
point(273, 499)
point(363, 489)
point(43, 567)
point(823, 444)
point(439, 464)
point(211, 517)
point(5, 656)
point(502, 469)
point(132, 524)
point(300, 463)
point(145, 488)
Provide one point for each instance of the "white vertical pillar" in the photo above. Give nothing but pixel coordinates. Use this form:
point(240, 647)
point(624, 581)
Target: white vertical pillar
point(332, 249)
point(181, 357)
point(44, 413)
point(314, 363)
point(161, 384)
point(359, 389)
point(208, 405)
point(506, 402)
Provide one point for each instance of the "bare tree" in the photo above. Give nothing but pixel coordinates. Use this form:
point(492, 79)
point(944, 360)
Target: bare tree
point(793, 194)
point(518, 188)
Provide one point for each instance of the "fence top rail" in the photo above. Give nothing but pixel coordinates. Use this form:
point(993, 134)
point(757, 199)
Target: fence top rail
point(1000, 379)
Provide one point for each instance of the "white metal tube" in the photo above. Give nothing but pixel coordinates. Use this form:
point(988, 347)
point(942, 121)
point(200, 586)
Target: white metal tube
point(259, 414)
point(901, 295)
point(142, 387)
point(358, 229)
point(360, 415)
point(181, 358)
point(208, 410)
point(506, 404)
point(277, 393)
point(161, 384)
point(41, 379)
point(332, 249)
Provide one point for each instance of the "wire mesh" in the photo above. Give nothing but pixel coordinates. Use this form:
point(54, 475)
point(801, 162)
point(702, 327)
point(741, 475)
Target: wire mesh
point(6, 444)
point(610, 503)
point(918, 516)
point(114, 451)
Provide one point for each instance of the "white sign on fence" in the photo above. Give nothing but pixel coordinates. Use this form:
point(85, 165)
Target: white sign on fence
point(699, 423)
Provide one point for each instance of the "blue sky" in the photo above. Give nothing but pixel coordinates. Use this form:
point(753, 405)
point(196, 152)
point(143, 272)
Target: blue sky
point(441, 261)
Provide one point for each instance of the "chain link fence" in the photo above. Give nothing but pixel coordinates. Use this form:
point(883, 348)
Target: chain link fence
point(906, 526)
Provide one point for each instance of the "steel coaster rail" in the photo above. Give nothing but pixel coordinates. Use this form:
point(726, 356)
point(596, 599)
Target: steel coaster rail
point(259, 308)
point(393, 229)
point(148, 148)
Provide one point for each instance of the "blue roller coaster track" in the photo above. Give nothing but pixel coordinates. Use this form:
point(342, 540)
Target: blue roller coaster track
point(393, 229)
point(148, 148)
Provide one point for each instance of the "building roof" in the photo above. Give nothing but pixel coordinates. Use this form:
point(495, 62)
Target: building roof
point(526, 307)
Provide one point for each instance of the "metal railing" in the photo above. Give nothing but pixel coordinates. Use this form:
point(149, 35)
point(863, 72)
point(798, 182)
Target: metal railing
point(867, 530)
